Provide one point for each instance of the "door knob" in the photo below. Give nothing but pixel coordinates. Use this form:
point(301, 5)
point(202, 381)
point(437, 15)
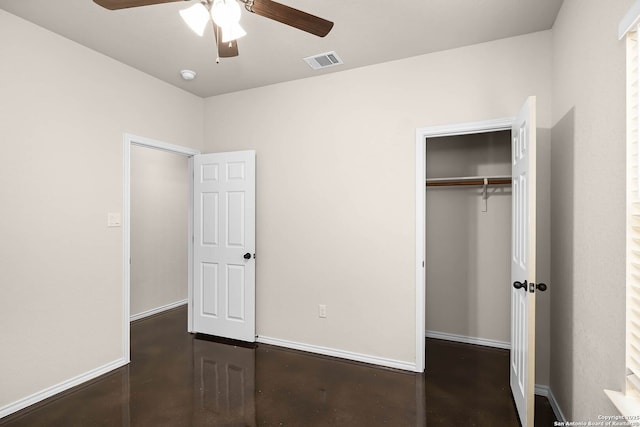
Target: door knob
point(540, 286)
point(520, 285)
point(247, 256)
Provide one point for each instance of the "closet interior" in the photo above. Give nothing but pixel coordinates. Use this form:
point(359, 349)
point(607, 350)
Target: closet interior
point(468, 238)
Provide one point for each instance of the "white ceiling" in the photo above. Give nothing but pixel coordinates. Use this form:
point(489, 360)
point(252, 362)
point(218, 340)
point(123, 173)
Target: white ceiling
point(154, 39)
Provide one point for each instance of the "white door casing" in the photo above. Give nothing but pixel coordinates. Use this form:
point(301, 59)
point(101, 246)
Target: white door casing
point(224, 245)
point(422, 135)
point(523, 262)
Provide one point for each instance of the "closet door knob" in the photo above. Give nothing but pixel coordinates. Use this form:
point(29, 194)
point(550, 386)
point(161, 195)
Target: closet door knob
point(541, 287)
point(247, 256)
point(520, 285)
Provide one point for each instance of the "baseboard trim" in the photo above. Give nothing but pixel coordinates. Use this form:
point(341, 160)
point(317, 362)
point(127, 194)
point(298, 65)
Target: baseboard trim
point(469, 340)
point(157, 310)
point(541, 390)
point(554, 404)
point(59, 388)
point(341, 354)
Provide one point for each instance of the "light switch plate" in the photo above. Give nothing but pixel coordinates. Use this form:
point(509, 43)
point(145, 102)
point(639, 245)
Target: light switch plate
point(322, 311)
point(114, 219)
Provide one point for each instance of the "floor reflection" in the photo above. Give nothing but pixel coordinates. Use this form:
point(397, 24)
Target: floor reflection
point(224, 383)
point(175, 379)
point(270, 386)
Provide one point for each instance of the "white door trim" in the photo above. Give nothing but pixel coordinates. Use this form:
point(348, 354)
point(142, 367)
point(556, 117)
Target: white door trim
point(421, 175)
point(128, 141)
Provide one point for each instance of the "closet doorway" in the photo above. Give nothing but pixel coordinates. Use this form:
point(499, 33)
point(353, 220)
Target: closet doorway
point(468, 238)
point(521, 231)
point(422, 136)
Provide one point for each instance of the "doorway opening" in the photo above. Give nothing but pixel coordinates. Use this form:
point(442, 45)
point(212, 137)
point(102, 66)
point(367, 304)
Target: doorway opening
point(132, 142)
point(159, 227)
point(468, 238)
point(422, 135)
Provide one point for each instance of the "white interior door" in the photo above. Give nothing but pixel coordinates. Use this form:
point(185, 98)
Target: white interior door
point(224, 245)
point(523, 262)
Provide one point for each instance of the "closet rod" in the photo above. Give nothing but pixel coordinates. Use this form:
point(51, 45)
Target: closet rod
point(479, 181)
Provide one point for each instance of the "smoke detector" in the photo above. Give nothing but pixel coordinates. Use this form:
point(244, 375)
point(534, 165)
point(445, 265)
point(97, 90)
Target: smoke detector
point(188, 74)
point(323, 60)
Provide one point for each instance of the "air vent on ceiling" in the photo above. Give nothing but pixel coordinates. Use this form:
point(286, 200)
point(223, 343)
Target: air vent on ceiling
point(324, 60)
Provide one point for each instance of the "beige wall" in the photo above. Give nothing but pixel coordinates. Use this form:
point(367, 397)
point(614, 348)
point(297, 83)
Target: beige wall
point(336, 182)
point(468, 267)
point(159, 228)
point(588, 207)
point(64, 111)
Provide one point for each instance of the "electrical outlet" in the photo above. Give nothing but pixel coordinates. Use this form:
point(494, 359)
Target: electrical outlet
point(322, 311)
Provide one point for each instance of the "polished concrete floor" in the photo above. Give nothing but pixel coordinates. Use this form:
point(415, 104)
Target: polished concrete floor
point(175, 379)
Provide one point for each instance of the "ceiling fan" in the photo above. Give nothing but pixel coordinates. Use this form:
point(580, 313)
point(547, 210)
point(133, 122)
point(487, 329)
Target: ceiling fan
point(225, 14)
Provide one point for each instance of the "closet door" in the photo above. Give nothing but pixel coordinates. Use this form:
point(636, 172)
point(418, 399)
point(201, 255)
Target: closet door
point(523, 262)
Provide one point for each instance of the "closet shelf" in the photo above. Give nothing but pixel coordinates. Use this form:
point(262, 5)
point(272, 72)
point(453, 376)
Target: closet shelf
point(469, 180)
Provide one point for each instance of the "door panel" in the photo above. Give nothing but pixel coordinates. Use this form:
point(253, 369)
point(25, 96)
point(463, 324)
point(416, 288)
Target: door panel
point(224, 231)
point(235, 219)
point(209, 292)
point(523, 262)
point(235, 291)
point(210, 228)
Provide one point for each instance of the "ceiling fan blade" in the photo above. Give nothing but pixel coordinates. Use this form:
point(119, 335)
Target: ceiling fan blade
point(124, 4)
point(290, 16)
point(225, 50)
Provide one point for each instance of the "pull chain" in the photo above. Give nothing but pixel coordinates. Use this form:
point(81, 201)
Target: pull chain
point(217, 37)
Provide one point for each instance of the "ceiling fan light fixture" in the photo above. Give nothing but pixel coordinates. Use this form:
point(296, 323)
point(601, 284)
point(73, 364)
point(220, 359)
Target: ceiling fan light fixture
point(226, 15)
point(196, 17)
point(232, 32)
